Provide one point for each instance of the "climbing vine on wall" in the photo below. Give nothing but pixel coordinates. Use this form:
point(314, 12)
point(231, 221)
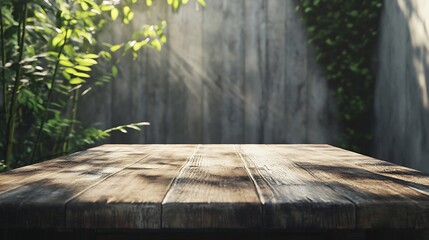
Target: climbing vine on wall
point(344, 35)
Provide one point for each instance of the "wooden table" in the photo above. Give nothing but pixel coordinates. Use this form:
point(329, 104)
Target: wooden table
point(216, 190)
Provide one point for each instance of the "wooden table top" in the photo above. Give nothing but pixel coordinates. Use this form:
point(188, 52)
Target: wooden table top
point(214, 187)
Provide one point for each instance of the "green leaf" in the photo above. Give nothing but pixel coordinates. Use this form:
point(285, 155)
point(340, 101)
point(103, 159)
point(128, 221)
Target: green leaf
point(114, 13)
point(66, 75)
point(130, 16)
point(84, 6)
point(68, 49)
point(106, 8)
point(126, 10)
point(76, 81)
point(115, 48)
point(83, 68)
point(57, 40)
point(91, 55)
point(176, 4)
point(66, 63)
point(156, 44)
point(70, 71)
point(114, 71)
point(134, 127)
point(148, 3)
point(106, 55)
point(202, 3)
point(354, 13)
point(86, 62)
point(81, 74)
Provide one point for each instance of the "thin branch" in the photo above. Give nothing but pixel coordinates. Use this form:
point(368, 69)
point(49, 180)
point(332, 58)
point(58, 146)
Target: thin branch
point(3, 62)
point(48, 99)
point(11, 122)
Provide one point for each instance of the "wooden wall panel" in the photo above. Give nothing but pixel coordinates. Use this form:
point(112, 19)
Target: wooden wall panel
point(237, 71)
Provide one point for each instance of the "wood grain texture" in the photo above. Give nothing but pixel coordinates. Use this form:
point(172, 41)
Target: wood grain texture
point(236, 71)
point(214, 187)
point(399, 175)
point(254, 69)
point(401, 93)
point(194, 73)
point(274, 94)
point(293, 198)
point(41, 204)
point(296, 83)
point(213, 74)
point(131, 199)
point(375, 197)
point(155, 95)
point(176, 109)
point(212, 191)
point(126, 89)
point(32, 173)
point(233, 79)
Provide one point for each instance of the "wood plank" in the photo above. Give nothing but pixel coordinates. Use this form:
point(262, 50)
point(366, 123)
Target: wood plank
point(212, 191)
point(131, 199)
point(126, 103)
point(255, 69)
point(36, 172)
point(404, 176)
point(177, 130)
point(375, 196)
point(213, 66)
point(322, 123)
point(41, 204)
point(233, 65)
point(155, 92)
point(194, 73)
point(294, 91)
point(274, 94)
point(292, 197)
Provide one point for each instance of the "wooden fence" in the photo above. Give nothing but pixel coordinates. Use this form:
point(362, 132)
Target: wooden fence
point(237, 71)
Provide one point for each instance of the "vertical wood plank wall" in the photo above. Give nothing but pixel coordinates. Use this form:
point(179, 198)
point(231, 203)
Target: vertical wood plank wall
point(402, 89)
point(237, 71)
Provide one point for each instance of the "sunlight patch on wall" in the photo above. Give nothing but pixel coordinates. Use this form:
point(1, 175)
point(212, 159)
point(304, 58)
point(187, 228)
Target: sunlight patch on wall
point(418, 25)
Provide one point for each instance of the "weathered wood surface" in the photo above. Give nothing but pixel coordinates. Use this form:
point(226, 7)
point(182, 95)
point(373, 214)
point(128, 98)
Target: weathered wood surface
point(272, 187)
point(236, 71)
point(401, 93)
point(212, 190)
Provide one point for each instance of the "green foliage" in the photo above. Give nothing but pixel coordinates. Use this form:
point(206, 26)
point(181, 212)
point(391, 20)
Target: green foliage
point(49, 51)
point(344, 34)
